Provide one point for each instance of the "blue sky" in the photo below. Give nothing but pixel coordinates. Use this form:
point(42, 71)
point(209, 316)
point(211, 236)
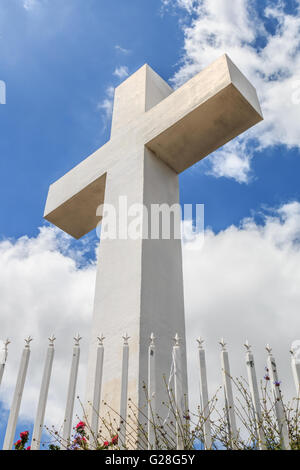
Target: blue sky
point(57, 59)
point(60, 60)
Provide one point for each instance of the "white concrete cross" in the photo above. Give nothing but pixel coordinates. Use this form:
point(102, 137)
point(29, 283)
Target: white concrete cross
point(156, 134)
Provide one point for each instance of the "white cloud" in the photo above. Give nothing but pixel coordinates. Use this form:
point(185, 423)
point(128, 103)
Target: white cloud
point(30, 4)
point(121, 72)
point(186, 4)
point(243, 283)
point(107, 104)
point(216, 27)
point(122, 49)
point(44, 291)
point(232, 161)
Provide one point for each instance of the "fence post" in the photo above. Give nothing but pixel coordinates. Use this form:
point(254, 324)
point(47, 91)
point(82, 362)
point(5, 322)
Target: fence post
point(151, 394)
point(97, 388)
point(71, 391)
point(3, 358)
point(255, 396)
point(40, 415)
point(204, 395)
point(15, 407)
point(179, 398)
point(279, 409)
point(229, 402)
point(124, 392)
point(295, 363)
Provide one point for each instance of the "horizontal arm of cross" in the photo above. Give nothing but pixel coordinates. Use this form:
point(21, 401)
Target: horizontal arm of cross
point(208, 111)
point(212, 108)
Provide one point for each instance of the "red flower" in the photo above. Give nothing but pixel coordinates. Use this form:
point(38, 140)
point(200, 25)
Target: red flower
point(80, 427)
point(114, 440)
point(18, 445)
point(81, 424)
point(106, 443)
point(24, 435)
point(28, 448)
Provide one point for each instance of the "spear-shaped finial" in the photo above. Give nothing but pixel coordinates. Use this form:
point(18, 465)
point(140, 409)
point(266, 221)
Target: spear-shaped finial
point(51, 340)
point(200, 342)
point(223, 344)
point(28, 341)
point(100, 338)
point(177, 339)
point(248, 346)
point(152, 339)
point(126, 338)
point(269, 349)
point(77, 338)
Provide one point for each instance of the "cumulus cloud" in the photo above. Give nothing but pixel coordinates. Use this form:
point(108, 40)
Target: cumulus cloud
point(270, 58)
point(242, 283)
point(232, 161)
point(46, 287)
point(121, 72)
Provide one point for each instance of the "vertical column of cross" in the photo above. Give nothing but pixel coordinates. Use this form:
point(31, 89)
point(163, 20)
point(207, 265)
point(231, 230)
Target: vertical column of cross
point(16, 403)
point(40, 414)
point(255, 396)
point(71, 392)
point(229, 401)
point(278, 403)
point(3, 358)
point(97, 388)
point(124, 392)
point(204, 395)
point(151, 394)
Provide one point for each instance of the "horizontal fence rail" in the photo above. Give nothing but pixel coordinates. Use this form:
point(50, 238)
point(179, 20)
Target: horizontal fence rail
point(177, 399)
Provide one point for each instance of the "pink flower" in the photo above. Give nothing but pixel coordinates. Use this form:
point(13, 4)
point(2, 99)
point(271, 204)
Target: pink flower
point(80, 427)
point(81, 424)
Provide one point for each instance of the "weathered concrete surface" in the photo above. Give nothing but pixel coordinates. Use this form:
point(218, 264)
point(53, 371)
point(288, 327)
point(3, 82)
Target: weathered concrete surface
point(156, 134)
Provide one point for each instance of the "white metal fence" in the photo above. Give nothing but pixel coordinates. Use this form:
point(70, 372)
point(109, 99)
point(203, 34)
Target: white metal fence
point(151, 386)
